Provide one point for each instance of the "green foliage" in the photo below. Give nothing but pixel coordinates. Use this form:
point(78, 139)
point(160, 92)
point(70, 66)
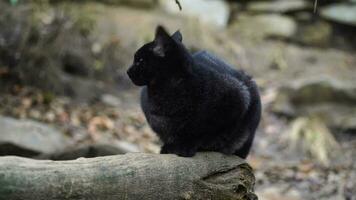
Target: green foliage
point(13, 2)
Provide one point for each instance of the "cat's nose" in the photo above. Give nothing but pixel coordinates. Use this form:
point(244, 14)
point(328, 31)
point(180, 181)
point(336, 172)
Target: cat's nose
point(130, 72)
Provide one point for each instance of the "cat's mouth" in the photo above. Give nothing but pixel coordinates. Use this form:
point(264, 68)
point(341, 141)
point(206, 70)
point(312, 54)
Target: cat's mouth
point(137, 78)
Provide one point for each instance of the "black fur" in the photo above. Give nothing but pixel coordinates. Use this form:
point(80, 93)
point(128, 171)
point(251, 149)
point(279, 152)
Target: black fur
point(195, 102)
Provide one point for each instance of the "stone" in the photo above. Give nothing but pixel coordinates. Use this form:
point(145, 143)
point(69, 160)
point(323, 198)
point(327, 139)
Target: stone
point(314, 34)
point(67, 53)
point(126, 147)
point(264, 25)
point(91, 151)
point(277, 193)
point(110, 100)
point(278, 6)
point(215, 12)
point(132, 3)
point(29, 138)
point(344, 13)
point(323, 89)
point(77, 87)
point(330, 99)
point(100, 59)
point(115, 23)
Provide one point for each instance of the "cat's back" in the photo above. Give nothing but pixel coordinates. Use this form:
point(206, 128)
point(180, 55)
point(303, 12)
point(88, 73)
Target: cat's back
point(208, 61)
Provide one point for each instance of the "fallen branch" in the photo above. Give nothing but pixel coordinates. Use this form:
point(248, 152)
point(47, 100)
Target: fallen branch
point(131, 176)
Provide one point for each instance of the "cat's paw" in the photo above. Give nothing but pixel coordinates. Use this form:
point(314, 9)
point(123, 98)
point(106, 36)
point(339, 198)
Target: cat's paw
point(166, 149)
point(186, 152)
point(183, 151)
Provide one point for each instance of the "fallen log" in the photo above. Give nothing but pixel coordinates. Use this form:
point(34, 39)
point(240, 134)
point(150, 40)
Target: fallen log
point(131, 176)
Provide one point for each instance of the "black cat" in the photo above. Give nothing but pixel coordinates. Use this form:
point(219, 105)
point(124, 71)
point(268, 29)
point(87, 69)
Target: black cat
point(195, 102)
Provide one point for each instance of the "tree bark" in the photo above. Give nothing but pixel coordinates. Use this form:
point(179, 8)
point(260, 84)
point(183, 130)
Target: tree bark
point(131, 176)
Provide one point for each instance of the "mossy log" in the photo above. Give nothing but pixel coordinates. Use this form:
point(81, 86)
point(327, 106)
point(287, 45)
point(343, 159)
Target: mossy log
point(131, 176)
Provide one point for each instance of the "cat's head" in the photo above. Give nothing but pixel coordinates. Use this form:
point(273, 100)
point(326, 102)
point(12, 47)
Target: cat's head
point(164, 57)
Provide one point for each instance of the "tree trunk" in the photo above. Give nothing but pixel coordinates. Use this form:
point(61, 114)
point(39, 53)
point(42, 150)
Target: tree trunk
point(131, 176)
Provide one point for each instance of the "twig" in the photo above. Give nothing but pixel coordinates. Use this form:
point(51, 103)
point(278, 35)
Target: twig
point(315, 5)
point(178, 3)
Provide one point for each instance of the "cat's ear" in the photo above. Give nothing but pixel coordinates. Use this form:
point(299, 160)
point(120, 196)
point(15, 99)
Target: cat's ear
point(177, 36)
point(162, 42)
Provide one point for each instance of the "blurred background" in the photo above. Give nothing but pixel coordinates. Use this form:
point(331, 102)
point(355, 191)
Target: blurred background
point(64, 92)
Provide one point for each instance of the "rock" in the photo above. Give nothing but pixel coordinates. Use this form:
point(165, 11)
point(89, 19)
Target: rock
point(279, 6)
point(51, 54)
point(80, 88)
point(344, 13)
point(314, 34)
point(126, 147)
point(115, 23)
point(110, 100)
point(89, 151)
point(332, 100)
point(96, 43)
point(210, 11)
point(310, 136)
point(320, 90)
point(277, 193)
point(29, 138)
point(265, 25)
point(133, 3)
point(76, 64)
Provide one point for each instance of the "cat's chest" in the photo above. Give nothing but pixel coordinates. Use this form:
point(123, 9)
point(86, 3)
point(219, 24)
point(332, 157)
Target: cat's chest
point(173, 102)
point(168, 106)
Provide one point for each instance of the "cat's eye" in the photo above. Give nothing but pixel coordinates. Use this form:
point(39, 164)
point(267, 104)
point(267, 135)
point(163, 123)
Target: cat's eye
point(139, 62)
